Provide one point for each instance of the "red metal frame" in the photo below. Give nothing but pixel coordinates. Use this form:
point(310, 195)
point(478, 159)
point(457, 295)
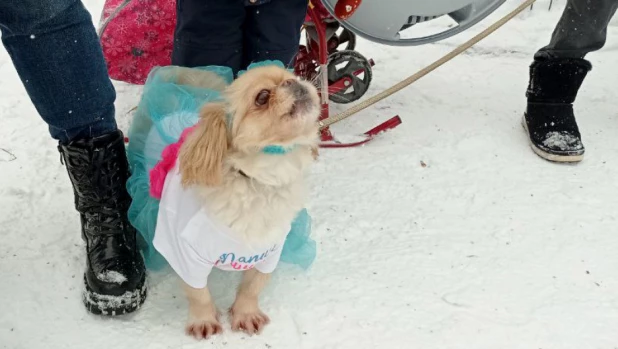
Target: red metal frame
point(313, 58)
point(369, 135)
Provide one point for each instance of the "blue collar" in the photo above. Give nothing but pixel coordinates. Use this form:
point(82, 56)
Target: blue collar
point(269, 149)
point(277, 149)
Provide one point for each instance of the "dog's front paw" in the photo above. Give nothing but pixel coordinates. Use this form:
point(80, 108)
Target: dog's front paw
point(248, 319)
point(203, 328)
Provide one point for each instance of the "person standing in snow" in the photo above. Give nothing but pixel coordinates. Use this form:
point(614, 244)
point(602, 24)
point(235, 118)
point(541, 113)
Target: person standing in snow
point(556, 75)
point(56, 52)
point(235, 33)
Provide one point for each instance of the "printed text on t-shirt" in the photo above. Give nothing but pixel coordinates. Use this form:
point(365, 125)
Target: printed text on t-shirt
point(243, 262)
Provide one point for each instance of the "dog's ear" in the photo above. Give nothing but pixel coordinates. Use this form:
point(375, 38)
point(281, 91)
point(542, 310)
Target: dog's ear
point(201, 155)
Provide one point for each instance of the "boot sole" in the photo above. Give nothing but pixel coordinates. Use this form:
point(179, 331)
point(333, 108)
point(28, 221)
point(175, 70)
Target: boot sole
point(100, 304)
point(549, 156)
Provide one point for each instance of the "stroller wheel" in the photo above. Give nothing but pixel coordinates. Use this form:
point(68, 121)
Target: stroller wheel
point(347, 38)
point(349, 76)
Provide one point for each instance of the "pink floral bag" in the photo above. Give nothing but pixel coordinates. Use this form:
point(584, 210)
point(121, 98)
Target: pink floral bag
point(136, 36)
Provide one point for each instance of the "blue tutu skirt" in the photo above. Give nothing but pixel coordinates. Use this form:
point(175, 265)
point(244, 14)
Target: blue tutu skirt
point(170, 103)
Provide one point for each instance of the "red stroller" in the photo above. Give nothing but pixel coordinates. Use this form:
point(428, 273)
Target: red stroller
point(330, 48)
point(137, 35)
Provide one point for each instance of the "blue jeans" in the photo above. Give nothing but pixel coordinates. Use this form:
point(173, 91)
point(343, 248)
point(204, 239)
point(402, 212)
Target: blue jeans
point(57, 54)
point(235, 33)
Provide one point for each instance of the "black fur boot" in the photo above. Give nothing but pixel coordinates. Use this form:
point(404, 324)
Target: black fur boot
point(115, 273)
point(549, 117)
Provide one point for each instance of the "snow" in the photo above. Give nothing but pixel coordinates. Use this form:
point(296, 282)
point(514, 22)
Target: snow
point(488, 246)
point(112, 276)
point(562, 141)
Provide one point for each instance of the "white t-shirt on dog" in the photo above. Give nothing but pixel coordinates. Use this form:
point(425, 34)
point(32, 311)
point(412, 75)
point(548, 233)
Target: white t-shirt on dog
point(193, 243)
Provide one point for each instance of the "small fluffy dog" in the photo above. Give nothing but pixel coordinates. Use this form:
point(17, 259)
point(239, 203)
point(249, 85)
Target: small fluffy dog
point(236, 187)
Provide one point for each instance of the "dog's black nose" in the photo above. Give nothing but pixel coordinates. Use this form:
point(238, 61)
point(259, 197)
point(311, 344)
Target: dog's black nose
point(296, 88)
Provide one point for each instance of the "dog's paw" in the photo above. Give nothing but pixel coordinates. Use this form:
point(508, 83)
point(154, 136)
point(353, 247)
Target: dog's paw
point(203, 329)
point(251, 321)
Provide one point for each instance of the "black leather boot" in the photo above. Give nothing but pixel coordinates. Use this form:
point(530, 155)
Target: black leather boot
point(549, 117)
point(115, 273)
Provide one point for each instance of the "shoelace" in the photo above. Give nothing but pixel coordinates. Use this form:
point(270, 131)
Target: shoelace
point(99, 180)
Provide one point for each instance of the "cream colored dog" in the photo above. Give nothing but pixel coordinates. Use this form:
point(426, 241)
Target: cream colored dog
point(254, 193)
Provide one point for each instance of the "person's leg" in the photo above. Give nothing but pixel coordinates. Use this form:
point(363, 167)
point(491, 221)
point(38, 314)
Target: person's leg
point(556, 75)
point(272, 31)
point(581, 29)
point(55, 49)
point(208, 32)
point(56, 52)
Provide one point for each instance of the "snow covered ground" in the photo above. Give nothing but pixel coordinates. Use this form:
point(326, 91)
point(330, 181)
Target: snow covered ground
point(486, 247)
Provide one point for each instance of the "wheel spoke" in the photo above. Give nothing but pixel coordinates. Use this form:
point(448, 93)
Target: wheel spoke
point(333, 73)
point(344, 37)
point(357, 84)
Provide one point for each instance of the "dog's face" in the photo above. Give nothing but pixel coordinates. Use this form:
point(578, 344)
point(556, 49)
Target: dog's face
point(264, 106)
point(269, 105)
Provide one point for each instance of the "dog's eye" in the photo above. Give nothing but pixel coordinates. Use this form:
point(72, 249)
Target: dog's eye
point(262, 98)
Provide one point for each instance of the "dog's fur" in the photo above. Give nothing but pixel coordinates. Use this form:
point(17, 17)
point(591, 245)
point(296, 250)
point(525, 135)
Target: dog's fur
point(259, 204)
